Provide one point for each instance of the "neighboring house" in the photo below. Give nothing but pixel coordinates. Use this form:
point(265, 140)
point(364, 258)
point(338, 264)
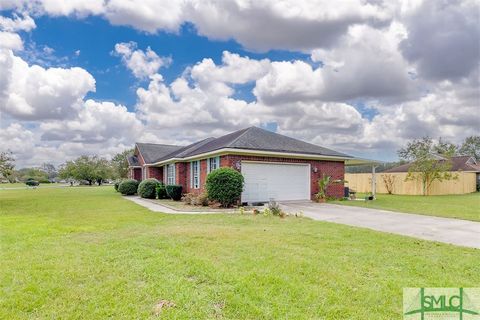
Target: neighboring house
point(274, 166)
point(464, 168)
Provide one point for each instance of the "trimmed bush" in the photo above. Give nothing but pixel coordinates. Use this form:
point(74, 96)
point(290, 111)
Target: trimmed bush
point(117, 183)
point(148, 188)
point(162, 192)
point(128, 187)
point(31, 182)
point(224, 185)
point(174, 191)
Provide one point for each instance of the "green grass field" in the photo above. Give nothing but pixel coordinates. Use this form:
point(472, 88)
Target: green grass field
point(465, 206)
point(86, 253)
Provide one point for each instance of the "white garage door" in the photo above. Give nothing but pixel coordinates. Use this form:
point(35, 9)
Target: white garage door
point(265, 181)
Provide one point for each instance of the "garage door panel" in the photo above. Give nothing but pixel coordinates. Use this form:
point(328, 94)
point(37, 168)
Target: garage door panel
point(265, 181)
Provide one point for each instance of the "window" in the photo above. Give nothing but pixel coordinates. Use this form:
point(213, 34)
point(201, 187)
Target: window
point(212, 164)
point(195, 174)
point(171, 174)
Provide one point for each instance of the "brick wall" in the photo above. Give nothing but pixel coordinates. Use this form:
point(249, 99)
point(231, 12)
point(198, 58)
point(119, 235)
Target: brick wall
point(137, 174)
point(335, 169)
point(181, 174)
point(155, 172)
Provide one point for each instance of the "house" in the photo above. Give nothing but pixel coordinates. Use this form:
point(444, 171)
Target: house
point(274, 166)
point(464, 168)
point(459, 163)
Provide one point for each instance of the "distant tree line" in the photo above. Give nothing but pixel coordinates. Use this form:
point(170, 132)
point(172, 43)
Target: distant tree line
point(87, 169)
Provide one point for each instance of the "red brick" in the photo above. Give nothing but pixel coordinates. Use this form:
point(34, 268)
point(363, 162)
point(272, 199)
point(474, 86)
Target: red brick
point(335, 169)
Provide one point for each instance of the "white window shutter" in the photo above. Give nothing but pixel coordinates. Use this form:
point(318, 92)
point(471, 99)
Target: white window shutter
point(208, 165)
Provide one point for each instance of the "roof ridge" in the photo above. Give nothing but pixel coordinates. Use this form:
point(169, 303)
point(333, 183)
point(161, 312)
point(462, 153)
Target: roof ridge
point(241, 135)
point(160, 144)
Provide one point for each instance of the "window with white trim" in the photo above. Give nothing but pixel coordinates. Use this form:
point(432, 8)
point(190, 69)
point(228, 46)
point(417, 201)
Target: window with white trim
point(212, 164)
point(195, 174)
point(171, 174)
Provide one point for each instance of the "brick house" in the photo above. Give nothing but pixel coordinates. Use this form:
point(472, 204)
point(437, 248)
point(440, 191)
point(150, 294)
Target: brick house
point(274, 166)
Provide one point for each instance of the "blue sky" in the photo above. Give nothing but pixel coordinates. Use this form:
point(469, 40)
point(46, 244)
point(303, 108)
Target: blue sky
point(95, 77)
point(96, 38)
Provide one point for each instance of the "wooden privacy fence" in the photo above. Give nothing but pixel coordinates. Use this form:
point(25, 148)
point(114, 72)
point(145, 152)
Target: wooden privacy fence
point(362, 182)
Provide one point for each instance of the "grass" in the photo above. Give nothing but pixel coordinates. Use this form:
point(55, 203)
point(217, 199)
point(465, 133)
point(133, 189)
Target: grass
point(17, 185)
point(465, 206)
point(76, 253)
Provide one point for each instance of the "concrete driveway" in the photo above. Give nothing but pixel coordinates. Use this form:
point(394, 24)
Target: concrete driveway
point(454, 231)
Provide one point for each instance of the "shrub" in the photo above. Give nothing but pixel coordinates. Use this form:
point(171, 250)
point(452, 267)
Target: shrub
point(174, 191)
point(116, 185)
point(202, 199)
point(196, 199)
point(148, 188)
point(31, 182)
point(128, 187)
point(161, 191)
point(224, 185)
point(187, 198)
point(274, 208)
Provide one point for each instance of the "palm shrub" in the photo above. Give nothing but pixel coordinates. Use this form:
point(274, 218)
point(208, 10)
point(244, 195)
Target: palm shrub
point(148, 188)
point(224, 185)
point(128, 187)
point(323, 184)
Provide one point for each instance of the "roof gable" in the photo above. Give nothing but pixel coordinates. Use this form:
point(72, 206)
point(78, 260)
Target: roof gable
point(152, 152)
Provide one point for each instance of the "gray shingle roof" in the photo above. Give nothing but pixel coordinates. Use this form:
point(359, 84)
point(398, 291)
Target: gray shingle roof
point(252, 138)
point(133, 161)
point(152, 152)
point(184, 151)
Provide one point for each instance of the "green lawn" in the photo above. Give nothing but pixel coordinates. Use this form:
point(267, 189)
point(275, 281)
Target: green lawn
point(465, 206)
point(86, 253)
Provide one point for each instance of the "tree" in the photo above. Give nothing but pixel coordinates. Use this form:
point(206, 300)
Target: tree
point(444, 147)
point(7, 165)
point(471, 147)
point(120, 164)
point(50, 170)
point(91, 169)
point(426, 165)
point(33, 174)
point(103, 170)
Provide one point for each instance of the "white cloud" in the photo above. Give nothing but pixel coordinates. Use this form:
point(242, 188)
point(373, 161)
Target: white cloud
point(141, 63)
point(9, 40)
point(17, 23)
point(17, 139)
point(97, 122)
point(443, 39)
point(418, 76)
point(258, 25)
point(36, 93)
point(294, 25)
point(365, 64)
point(146, 15)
